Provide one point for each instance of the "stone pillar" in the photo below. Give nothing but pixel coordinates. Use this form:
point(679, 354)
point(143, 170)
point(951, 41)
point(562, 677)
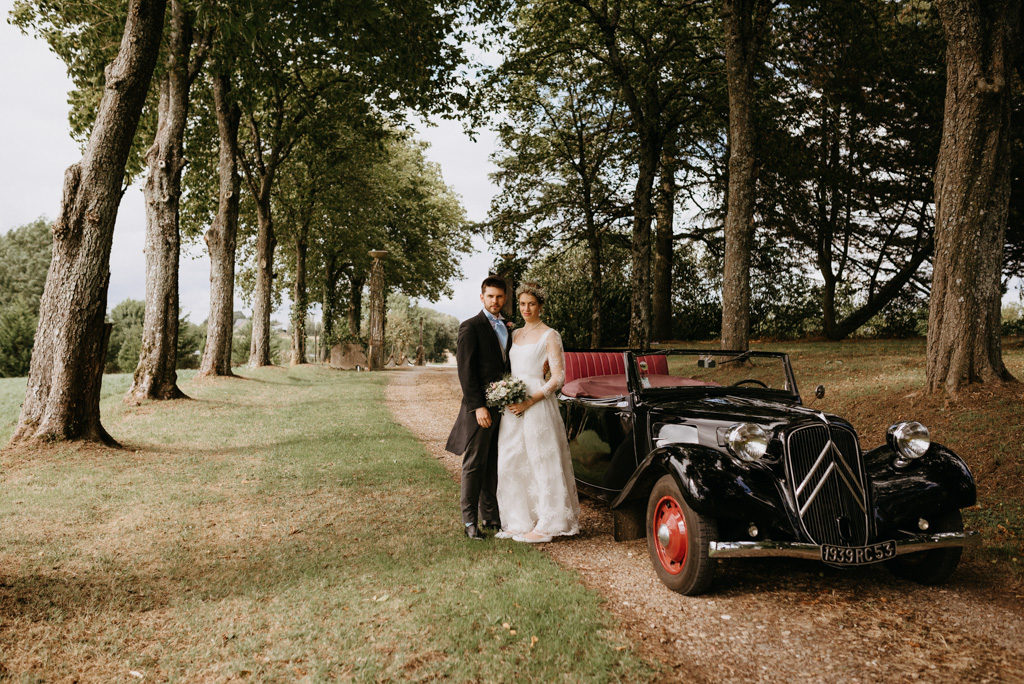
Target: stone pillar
point(375, 350)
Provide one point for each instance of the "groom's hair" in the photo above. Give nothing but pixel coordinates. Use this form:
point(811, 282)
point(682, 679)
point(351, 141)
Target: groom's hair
point(494, 281)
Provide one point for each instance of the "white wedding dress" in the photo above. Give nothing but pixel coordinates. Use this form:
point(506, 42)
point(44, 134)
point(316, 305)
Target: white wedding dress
point(536, 487)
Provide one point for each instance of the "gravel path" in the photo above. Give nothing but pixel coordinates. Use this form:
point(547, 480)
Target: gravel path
point(767, 620)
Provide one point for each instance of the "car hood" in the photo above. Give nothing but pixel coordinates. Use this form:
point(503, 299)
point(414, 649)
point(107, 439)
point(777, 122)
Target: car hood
point(737, 409)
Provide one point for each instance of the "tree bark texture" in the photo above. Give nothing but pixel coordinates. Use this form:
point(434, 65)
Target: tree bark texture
point(330, 305)
point(221, 238)
point(156, 376)
point(972, 190)
point(259, 348)
point(355, 305)
point(643, 210)
point(300, 300)
point(63, 391)
point(375, 352)
point(661, 290)
point(740, 51)
point(596, 280)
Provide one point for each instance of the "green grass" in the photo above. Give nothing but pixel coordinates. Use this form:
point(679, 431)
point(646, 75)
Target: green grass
point(280, 528)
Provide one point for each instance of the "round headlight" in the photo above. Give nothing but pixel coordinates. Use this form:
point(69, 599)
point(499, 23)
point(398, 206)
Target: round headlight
point(748, 441)
point(910, 440)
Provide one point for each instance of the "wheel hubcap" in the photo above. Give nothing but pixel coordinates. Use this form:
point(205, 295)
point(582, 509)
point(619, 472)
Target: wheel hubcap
point(671, 537)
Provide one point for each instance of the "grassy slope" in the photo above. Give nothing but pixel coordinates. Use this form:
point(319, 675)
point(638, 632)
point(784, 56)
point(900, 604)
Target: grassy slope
point(281, 527)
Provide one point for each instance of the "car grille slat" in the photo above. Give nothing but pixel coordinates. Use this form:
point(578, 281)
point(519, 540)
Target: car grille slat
point(826, 476)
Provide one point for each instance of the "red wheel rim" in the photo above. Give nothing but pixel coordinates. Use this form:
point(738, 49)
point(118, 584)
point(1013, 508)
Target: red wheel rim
point(670, 535)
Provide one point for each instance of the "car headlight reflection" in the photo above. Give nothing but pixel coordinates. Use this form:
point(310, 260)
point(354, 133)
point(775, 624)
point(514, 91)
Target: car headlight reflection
point(748, 441)
point(910, 440)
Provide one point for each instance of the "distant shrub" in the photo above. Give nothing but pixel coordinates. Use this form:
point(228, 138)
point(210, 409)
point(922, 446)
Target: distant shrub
point(1013, 320)
point(17, 335)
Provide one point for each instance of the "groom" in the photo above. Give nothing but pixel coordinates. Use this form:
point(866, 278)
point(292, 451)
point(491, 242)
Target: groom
point(482, 356)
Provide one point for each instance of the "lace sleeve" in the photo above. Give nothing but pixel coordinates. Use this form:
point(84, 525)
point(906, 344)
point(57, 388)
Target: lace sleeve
point(556, 363)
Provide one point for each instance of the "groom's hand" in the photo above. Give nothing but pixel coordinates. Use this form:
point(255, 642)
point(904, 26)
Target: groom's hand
point(483, 417)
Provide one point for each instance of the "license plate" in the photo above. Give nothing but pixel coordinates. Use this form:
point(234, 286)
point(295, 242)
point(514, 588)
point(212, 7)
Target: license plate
point(858, 555)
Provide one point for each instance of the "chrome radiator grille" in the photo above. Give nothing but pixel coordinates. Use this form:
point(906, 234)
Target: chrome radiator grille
point(826, 477)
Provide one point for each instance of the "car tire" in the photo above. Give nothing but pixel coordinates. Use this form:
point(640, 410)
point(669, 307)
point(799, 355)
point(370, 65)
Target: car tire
point(935, 566)
point(677, 540)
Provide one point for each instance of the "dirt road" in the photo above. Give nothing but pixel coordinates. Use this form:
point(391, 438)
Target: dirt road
point(774, 620)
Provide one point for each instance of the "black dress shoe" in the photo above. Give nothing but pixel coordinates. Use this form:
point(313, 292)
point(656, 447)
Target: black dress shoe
point(490, 526)
point(473, 533)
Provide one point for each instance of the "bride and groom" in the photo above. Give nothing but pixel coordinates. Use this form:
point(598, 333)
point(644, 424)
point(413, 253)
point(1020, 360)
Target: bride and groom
point(516, 470)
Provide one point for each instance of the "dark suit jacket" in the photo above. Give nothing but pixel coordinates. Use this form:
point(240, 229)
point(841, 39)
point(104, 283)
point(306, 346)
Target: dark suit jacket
point(478, 353)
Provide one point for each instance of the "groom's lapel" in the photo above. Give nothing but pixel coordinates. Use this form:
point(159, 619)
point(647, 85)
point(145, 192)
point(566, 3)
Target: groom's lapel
point(486, 322)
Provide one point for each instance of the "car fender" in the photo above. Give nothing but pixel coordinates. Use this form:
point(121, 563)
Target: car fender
point(711, 483)
point(938, 482)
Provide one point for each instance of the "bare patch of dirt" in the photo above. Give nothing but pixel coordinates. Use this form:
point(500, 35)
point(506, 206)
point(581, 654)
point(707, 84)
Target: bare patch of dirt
point(770, 620)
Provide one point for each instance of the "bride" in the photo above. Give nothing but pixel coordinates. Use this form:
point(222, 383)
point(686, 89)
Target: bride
point(536, 490)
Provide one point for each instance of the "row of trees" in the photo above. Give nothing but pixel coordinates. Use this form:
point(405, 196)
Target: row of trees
point(821, 147)
point(258, 126)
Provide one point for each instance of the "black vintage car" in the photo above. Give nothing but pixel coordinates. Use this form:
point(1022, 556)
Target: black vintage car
point(713, 455)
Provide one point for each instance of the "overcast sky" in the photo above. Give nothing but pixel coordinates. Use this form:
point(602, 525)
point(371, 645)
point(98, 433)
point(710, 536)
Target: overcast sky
point(36, 148)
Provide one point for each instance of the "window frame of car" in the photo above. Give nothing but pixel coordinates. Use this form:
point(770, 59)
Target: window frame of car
point(639, 394)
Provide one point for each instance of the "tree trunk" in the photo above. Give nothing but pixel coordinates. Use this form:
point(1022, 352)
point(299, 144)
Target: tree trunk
point(300, 304)
point(259, 348)
point(841, 329)
point(661, 290)
point(740, 49)
point(596, 281)
point(378, 312)
point(329, 304)
point(62, 397)
point(640, 264)
point(156, 376)
point(355, 305)
point(221, 237)
point(972, 190)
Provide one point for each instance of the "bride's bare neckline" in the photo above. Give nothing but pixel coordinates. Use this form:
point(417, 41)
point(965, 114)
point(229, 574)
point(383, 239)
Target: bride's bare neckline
point(543, 327)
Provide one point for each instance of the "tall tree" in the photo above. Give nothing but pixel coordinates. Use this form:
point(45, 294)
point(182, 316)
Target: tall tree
point(657, 55)
point(851, 129)
point(744, 26)
point(563, 170)
point(972, 191)
point(222, 235)
point(665, 211)
point(156, 376)
point(63, 391)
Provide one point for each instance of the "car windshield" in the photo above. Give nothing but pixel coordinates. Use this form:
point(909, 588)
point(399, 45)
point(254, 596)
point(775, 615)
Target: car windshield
point(678, 369)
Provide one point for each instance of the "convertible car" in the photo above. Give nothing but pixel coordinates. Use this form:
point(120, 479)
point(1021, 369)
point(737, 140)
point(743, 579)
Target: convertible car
point(713, 455)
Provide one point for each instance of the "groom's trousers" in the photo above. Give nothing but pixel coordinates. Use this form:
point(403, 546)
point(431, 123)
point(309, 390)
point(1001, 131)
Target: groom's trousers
point(480, 474)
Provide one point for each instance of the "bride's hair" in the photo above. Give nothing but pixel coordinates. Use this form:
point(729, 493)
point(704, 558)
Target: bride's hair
point(532, 288)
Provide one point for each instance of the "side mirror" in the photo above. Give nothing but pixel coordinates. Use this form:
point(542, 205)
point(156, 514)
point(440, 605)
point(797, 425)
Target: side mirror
point(819, 391)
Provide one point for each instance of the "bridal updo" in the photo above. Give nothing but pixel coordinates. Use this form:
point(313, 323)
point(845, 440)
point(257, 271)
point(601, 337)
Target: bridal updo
point(532, 288)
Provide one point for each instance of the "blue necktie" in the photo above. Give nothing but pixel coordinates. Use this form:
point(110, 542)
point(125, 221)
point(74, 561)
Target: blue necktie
point(502, 332)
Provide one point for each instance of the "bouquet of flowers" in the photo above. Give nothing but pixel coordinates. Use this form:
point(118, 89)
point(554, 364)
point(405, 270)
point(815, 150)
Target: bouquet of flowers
point(508, 390)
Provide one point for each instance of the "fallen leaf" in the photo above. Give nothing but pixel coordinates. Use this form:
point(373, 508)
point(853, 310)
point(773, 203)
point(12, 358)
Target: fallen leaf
point(533, 640)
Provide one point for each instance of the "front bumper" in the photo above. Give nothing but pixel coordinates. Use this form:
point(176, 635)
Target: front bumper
point(755, 549)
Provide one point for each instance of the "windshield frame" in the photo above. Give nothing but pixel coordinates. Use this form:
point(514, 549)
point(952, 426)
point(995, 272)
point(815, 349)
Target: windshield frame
point(637, 390)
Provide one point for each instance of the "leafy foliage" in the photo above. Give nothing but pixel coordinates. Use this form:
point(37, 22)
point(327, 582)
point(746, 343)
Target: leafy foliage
point(24, 261)
point(403, 329)
point(126, 338)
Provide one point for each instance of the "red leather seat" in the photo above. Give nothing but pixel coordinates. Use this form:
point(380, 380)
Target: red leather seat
point(590, 364)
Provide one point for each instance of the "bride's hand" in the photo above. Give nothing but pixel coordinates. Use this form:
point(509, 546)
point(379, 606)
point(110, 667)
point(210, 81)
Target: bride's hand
point(520, 408)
